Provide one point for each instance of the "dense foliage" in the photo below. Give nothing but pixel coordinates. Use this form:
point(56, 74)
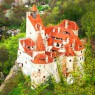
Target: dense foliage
point(8, 53)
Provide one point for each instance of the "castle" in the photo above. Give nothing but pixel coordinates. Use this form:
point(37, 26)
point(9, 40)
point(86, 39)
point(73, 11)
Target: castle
point(42, 46)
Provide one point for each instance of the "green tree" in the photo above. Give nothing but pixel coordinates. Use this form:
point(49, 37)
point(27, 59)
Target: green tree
point(4, 54)
point(88, 24)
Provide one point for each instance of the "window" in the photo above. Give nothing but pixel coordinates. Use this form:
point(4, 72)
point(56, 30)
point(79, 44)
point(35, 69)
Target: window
point(39, 70)
point(57, 44)
point(61, 44)
point(81, 51)
point(70, 60)
point(58, 38)
point(43, 59)
point(80, 58)
point(52, 37)
point(22, 64)
point(53, 50)
point(19, 52)
point(30, 33)
point(43, 76)
point(28, 47)
point(66, 69)
point(26, 62)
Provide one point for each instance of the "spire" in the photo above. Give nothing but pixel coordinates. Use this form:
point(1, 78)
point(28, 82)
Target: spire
point(34, 8)
point(39, 43)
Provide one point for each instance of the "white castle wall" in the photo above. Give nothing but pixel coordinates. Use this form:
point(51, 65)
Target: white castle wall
point(43, 71)
point(30, 31)
point(69, 63)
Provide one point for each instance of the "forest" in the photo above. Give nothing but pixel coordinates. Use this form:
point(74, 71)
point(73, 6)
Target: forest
point(80, 11)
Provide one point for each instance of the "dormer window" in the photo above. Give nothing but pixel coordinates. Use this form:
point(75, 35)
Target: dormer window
point(28, 47)
point(57, 44)
point(43, 59)
point(58, 38)
point(52, 37)
point(80, 46)
point(53, 50)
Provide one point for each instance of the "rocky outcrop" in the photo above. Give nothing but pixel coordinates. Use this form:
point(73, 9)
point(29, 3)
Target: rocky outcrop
point(14, 70)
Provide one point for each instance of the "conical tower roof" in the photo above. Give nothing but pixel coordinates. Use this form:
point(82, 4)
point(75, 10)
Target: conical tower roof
point(39, 43)
point(34, 8)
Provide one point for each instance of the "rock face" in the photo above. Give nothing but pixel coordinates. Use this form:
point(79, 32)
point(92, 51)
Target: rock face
point(12, 73)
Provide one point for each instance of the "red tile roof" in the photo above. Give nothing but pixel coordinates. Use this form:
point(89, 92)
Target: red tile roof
point(27, 44)
point(59, 35)
point(78, 43)
point(42, 59)
point(37, 22)
point(69, 51)
point(71, 25)
point(50, 41)
point(39, 43)
point(48, 30)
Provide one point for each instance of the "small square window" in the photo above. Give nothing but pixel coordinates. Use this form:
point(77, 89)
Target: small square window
point(70, 60)
point(39, 70)
point(66, 69)
point(43, 76)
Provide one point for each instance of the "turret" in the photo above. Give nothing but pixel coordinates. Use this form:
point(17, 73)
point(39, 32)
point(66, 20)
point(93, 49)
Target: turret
point(34, 11)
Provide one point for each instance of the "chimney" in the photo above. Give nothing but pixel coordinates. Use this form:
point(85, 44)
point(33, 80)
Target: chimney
point(66, 24)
